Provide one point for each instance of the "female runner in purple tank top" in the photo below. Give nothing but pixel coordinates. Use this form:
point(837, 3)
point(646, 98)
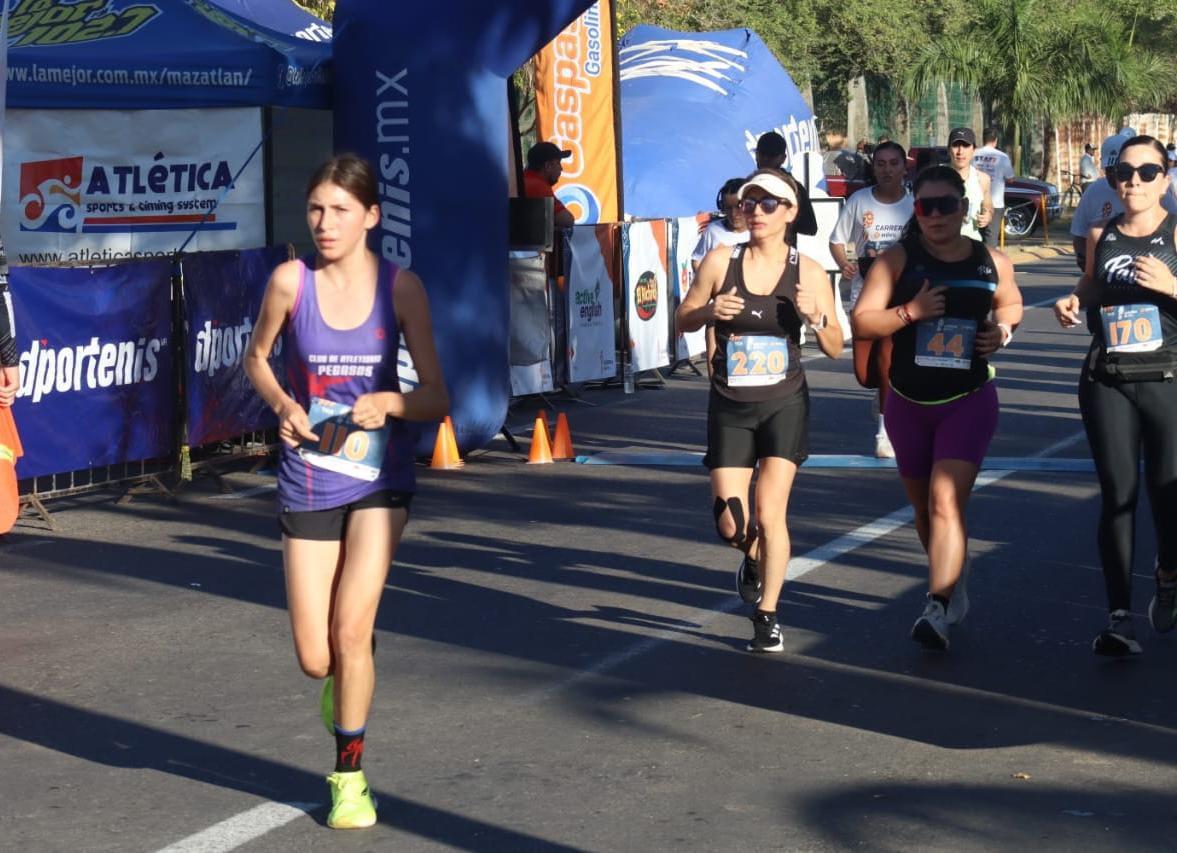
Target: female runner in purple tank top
point(345, 476)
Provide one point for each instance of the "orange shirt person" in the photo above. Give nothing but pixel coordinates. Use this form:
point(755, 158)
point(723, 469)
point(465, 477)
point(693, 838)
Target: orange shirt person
point(542, 172)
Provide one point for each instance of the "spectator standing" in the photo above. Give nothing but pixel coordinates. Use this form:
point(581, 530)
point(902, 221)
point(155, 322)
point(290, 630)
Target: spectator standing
point(9, 364)
point(1088, 170)
point(543, 170)
point(996, 164)
point(962, 143)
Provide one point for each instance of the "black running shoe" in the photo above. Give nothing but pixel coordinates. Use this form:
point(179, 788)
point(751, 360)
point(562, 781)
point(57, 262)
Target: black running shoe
point(1162, 610)
point(767, 634)
point(749, 583)
point(1118, 639)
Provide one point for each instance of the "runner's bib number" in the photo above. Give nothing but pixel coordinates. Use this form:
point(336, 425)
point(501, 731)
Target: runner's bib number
point(945, 342)
point(755, 360)
point(1131, 328)
point(342, 446)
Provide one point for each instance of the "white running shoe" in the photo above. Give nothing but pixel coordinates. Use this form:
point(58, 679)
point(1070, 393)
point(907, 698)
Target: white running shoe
point(958, 605)
point(883, 448)
point(931, 629)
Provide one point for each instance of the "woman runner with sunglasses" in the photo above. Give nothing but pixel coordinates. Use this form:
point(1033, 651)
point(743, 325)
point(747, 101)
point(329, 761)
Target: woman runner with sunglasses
point(948, 302)
point(756, 297)
point(1127, 389)
point(345, 475)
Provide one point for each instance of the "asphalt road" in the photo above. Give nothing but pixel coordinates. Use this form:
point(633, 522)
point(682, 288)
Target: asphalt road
point(561, 660)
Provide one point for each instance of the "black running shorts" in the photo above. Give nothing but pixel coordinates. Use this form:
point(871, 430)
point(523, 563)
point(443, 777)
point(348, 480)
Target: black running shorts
point(740, 433)
point(328, 525)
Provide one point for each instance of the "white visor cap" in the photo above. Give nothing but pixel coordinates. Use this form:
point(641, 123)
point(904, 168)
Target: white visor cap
point(771, 184)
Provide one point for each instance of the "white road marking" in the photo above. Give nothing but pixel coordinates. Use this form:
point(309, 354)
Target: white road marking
point(240, 829)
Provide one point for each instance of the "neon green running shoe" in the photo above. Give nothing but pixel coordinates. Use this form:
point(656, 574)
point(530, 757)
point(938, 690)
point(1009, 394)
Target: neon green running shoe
point(352, 805)
point(327, 704)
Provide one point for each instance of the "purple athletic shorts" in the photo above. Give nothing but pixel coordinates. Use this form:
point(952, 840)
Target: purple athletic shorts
point(924, 434)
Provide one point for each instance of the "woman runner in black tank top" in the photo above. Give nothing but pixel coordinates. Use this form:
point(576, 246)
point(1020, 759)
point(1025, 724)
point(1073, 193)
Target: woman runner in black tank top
point(948, 303)
point(1128, 387)
point(756, 296)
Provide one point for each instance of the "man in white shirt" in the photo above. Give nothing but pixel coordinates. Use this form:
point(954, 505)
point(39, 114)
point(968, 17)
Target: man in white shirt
point(961, 145)
point(996, 164)
point(1100, 202)
point(1088, 171)
point(872, 221)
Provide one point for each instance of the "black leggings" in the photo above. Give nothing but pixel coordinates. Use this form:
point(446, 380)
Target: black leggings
point(1120, 419)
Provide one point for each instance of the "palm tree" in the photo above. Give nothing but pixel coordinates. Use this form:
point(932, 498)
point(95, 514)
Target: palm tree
point(1029, 62)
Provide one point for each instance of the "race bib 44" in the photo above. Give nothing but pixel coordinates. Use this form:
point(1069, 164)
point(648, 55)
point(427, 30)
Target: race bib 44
point(945, 342)
point(1131, 328)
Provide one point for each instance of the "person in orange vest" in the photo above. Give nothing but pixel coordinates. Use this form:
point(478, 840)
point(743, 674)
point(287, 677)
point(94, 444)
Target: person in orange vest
point(10, 449)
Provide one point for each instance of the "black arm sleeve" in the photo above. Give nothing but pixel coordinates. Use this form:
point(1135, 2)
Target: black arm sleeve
point(8, 356)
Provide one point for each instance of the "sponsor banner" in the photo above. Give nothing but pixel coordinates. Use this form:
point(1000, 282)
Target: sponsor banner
point(95, 364)
point(127, 54)
point(133, 184)
point(592, 343)
point(402, 80)
point(574, 109)
point(531, 331)
point(222, 295)
point(686, 237)
point(647, 295)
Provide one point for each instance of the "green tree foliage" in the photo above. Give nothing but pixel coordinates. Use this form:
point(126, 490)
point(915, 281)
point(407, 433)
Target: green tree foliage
point(325, 9)
point(1046, 59)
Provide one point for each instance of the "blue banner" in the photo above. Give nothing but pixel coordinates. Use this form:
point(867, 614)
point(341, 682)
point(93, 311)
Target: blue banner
point(96, 366)
point(222, 295)
point(424, 98)
point(137, 54)
point(692, 107)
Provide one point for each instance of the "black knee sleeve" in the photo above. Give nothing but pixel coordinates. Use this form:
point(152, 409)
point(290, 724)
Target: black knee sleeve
point(736, 507)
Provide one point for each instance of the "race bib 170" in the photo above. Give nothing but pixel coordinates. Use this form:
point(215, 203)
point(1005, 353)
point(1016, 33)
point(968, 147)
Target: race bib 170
point(1131, 328)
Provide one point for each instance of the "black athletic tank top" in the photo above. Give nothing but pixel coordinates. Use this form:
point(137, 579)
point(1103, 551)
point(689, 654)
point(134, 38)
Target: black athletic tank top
point(1120, 329)
point(758, 352)
point(933, 361)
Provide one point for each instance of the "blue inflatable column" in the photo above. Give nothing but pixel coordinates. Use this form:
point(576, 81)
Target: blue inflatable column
point(420, 91)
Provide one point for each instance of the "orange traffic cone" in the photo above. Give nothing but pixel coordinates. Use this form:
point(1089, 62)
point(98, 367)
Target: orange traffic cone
point(455, 457)
point(541, 451)
point(562, 442)
point(441, 449)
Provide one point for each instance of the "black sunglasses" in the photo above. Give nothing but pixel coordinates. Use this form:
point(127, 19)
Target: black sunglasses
point(944, 204)
point(1149, 172)
point(768, 204)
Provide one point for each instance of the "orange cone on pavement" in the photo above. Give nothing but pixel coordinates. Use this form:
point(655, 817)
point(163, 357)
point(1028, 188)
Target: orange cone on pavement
point(541, 451)
point(441, 449)
point(455, 457)
point(562, 441)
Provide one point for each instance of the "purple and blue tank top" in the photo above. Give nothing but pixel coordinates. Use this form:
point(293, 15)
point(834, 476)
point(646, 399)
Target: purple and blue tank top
point(338, 366)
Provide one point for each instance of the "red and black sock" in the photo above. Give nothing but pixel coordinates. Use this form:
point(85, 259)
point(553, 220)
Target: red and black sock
point(349, 750)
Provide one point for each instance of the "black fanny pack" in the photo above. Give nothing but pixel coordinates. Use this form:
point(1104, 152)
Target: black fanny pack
point(1159, 366)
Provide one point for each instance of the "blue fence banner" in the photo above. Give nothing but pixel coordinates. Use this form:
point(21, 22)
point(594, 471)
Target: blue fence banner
point(416, 93)
point(96, 366)
point(222, 295)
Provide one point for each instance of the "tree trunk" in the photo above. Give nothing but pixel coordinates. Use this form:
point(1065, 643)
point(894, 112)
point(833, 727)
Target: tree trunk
point(1047, 148)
